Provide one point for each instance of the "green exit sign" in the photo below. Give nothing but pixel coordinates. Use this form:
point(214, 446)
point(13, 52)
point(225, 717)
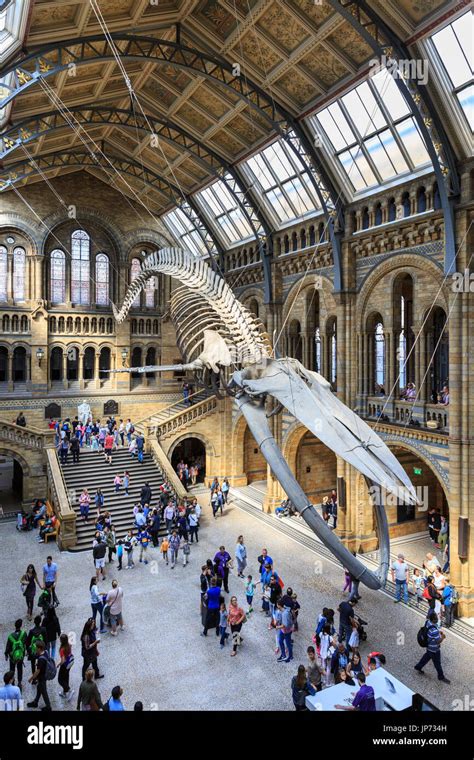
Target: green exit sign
point(417, 470)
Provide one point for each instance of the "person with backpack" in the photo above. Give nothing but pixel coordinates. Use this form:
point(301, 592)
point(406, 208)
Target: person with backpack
point(449, 599)
point(431, 637)
point(143, 538)
point(431, 594)
point(300, 689)
point(66, 661)
point(45, 671)
point(53, 630)
point(129, 430)
point(129, 543)
point(35, 634)
point(63, 450)
point(140, 446)
point(15, 649)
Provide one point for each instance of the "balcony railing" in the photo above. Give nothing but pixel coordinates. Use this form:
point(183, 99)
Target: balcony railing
point(399, 412)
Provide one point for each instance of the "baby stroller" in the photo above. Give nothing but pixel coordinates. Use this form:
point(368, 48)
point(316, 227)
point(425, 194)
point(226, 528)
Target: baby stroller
point(23, 521)
point(361, 629)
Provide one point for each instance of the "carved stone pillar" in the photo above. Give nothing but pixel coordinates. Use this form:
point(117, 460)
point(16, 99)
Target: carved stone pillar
point(10, 277)
point(65, 380)
point(96, 369)
point(38, 278)
point(81, 370)
point(10, 371)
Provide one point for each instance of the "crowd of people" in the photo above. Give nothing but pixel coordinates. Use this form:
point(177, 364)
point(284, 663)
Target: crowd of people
point(71, 436)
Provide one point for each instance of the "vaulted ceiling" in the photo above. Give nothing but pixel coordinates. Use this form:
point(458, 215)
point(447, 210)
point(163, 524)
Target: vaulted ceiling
point(300, 52)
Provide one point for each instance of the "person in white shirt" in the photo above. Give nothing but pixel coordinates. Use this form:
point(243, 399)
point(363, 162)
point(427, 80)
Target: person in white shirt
point(241, 556)
point(10, 695)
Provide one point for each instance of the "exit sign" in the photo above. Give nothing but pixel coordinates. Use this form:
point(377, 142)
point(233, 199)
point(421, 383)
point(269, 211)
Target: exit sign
point(417, 470)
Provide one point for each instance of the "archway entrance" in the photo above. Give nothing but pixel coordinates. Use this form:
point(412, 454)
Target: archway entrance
point(192, 452)
point(11, 484)
point(255, 464)
point(316, 468)
point(405, 519)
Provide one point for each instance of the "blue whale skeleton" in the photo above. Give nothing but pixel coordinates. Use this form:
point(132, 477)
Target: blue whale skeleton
point(226, 348)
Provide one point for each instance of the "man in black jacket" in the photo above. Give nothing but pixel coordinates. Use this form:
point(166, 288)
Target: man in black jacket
point(35, 634)
point(75, 448)
point(98, 552)
point(155, 526)
point(346, 616)
point(146, 494)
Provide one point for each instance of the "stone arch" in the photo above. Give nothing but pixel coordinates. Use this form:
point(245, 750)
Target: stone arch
point(299, 291)
point(83, 213)
point(11, 222)
point(238, 434)
point(419, 450)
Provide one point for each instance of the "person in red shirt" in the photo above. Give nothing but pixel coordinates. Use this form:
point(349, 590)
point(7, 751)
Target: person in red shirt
point(108, 445)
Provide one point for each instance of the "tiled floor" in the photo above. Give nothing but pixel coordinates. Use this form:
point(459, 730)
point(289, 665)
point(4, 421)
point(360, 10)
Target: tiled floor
point(161, 659)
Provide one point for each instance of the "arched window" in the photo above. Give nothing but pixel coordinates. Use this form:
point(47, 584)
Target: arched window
point(135, 270)
point(392, 210)
point(378, 214)
point(3, 273)
point(406, 204)
point(365, 218)
point(294, 340)
point(150, 289)
point(56, 365)
point(379, 358)
point(253, 307)
point(102, 279)
point(3, 364)
point(312, 236)
point(421, 200)
point(303, 238)
point(317, 340)
point(150, 360)
point(6, 323)
point(58, 276)
point(321, 232)
point(80, 267)
point(104, 363)
point(19, 270)
point(88, 363)
point(436, 197)
point(136, 361)
point(333, 348)
point(403, 320)
point(19, 365)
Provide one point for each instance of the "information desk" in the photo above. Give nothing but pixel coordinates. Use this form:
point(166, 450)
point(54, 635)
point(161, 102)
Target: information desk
point(390, 693)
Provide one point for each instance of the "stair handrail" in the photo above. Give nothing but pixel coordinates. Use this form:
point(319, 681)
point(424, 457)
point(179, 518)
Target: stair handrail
point(61, 501)
point(165, 465)
point(189, 409)
point(167, 408)
point(43, 437)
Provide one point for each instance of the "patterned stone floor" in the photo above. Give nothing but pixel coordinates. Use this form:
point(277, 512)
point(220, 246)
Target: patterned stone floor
point(161, 659)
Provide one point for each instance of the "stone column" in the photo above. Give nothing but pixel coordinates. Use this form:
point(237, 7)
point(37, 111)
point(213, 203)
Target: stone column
point(81, 370)
point(10, 277)
point(65, 380)
point(10, 370)
point(96, 368)
point(38, 278)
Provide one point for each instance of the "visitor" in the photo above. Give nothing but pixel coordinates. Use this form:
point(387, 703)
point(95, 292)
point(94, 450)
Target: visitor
point(89, 698)
point(353, 642)
point(75, 448)
point(51, 625)
point(38, 512)
point(129, 430)
point(212, 599)
point(241, 556)
point(364, 700)
point(99, 500)
point(347, 581)
point(432, 596)
point(114, 703)
point(129, 544)
point(89, 651)
point(285, 629)
point(63, 450)
point(448, 595)
point(169, 516)
point(236, 617)
point(433, 638)
point(108, 446)
point(418, 585)
point(174, 544)
point(443, 533)
point(214, 504)
point(340, 658)
point(10, 695)
point(165, 545)
point(300, 689)
point(143, 539)
point(183, 526)
point(50, 578)
point(193, 526)
point(97, 604)
point(346, 615)
point(15, 650)
point(223, 623)
point(275, 594)
point(29, 581)
point(84, 504)
point(223, 561)
point(140, 441)
point(225, 490)
point(114, 600)
point(263, 559)
point(119, 554)
point(110, 541)
point(117, 483)
point(186, 550)
point(354, 666)
point(186, 394)
point(146, 494)
point(333, 508)
point(155, 525)
point(436, 527)
point(400, 576)
point(66, 661)
point(250, 587)
point(342, 676)
point(98, 552)
point(35, 634)
point(314, 670)
point(38, 678)
point(138, 706)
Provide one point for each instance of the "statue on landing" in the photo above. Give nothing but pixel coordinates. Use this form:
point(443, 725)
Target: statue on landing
point(227, 349)
point(84, 412)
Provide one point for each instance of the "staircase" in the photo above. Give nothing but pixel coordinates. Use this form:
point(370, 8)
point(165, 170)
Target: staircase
point(163, 415)
point(92, 473)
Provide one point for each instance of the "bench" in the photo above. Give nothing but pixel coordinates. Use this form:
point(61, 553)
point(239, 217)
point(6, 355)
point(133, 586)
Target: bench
point(54, 533)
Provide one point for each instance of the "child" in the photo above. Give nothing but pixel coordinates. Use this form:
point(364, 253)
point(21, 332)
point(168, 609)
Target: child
point(126, 482)
point(120, 553)
point(418, 585)
point(223, 615)
point(348, 581)
point(353, 642)
point(165, 545)
point(250, 587)
point(185, 546)
point(117, 483)
point(129, 543)
point(94, 443)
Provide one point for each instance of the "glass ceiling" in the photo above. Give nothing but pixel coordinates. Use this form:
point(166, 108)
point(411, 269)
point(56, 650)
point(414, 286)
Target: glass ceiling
point(286, 190)
point(185, 232)
point(13, 18)
point(454, 46)
point(372, 133)
point(224, 213)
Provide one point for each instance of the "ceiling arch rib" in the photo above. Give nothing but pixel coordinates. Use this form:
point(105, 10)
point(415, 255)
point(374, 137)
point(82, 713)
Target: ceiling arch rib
point(387, 46)
point(171, 193)
point(52, 59)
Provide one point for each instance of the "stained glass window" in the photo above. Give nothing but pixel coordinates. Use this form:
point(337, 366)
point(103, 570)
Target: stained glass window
point(102, 279)
point(135, 270)
point(3, 273)
point(317, 340)
point(150, 289)
point(19, 271)
point(379, 355)
point(372, 133)
point(333, 343)
point(80, 267)
point(58, 276)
